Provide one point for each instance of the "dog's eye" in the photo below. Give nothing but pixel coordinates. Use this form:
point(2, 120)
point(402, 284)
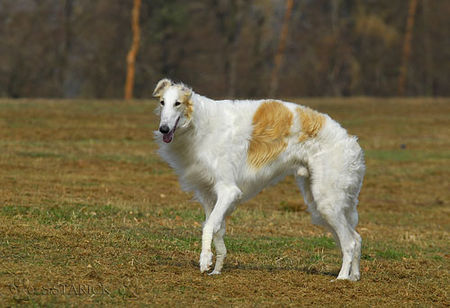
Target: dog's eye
point(177, 103)
point(162, 103)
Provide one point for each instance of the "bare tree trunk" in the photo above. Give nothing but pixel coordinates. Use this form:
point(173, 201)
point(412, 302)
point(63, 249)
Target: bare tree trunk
point(407, 46)
point(429, 72)
point(281, 47)
point(131, 57)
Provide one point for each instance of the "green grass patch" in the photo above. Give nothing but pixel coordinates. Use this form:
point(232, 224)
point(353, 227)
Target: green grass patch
point(61, 213)
point(391, 254)
point(196, 214)
point(388, 250)
point(272, 245)
point(318, 242)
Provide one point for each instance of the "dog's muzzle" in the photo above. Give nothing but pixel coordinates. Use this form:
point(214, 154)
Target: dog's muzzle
point(164, 129)
point(167, 132)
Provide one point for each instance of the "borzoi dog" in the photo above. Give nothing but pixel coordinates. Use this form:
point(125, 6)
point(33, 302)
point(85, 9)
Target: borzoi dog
point(227, 151)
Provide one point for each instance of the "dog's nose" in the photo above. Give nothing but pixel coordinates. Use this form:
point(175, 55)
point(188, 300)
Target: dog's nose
point(164, 129)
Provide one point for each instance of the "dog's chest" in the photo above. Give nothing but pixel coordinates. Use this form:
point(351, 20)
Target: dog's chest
point(194, 171)
point(196, 176)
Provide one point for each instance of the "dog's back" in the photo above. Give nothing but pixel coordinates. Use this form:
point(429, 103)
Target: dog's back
point(256, 143)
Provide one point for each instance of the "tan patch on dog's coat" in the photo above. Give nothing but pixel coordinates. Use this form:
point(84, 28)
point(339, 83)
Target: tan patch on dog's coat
point(311, 123)
point(185, 98)
point(189, 109)
point(271, 125)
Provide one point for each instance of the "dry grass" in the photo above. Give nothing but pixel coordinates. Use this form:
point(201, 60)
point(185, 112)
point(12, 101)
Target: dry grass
point(87, 207)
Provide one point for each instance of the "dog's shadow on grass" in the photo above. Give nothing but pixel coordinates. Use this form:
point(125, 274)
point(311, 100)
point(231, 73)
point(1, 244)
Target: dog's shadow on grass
point(193, 265)
point(271, 268)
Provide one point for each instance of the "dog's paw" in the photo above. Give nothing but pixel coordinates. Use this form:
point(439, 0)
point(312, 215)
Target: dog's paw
point(349, 278)
point(205, 261)
point(354, 277)
point(214, 272)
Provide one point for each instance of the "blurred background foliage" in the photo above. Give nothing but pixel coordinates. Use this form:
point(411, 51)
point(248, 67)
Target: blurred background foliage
point(223, 48)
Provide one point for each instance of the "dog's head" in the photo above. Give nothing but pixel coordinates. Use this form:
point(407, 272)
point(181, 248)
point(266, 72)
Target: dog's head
point(175, 107)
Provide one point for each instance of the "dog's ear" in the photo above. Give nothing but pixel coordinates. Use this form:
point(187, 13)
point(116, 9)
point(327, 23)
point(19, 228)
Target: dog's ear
point(186, 93)
point(162, 84)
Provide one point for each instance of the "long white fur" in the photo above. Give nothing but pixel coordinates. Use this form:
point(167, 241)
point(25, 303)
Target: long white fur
point(209, 155)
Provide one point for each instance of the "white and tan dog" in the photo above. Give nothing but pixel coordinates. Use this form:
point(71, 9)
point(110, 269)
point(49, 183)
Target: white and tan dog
point(227, 151)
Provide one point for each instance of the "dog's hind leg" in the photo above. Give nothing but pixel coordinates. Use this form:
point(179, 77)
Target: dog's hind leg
point(354, 272)
point(336, 178)
point(332, 213)
point(227, 195)
point(352, 217)
point(305, 188)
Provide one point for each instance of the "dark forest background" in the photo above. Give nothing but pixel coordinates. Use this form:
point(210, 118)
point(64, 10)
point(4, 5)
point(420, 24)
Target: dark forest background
point(223, 48)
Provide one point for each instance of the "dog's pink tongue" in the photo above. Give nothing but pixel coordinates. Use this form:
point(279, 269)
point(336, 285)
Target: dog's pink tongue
point(167, 138)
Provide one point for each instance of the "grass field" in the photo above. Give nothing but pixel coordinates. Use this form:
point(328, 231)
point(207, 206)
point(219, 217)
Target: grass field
point(89, 214)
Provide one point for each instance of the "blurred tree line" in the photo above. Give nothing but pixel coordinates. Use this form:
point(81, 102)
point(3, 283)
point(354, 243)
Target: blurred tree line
point(78, 48)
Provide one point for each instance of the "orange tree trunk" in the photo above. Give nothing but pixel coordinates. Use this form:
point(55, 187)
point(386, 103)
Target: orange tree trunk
point(131, 57)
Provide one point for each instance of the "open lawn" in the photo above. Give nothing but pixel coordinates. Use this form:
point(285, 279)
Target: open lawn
point(89, 214)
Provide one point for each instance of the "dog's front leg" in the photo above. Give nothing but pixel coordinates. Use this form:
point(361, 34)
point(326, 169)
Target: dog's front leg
point(226, 197)
point(221, 249)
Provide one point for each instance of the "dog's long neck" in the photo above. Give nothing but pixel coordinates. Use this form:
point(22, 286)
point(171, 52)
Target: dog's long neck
point(202, 117)
point(182, 152)
point(205, 113)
